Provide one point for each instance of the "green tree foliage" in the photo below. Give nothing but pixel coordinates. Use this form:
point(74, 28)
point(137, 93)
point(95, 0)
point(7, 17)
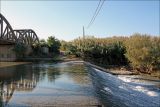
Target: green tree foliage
point(64, 45)
point(110, 54)
point(69, 48)
point(42, 43)
point(72, 48)
point(53, 44)
point(140, 51)
point(37, 48)
point(103, 51)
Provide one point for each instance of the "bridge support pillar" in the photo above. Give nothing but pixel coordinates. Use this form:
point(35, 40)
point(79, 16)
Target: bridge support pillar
point(7, 53)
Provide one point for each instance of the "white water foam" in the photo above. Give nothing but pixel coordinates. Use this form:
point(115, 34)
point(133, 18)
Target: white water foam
point(144, 90)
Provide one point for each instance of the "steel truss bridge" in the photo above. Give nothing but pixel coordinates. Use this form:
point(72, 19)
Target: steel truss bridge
point(11, 36)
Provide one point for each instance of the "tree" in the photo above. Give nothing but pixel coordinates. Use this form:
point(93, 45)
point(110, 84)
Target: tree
point(42, 43)
point(54, 44)
point(63, 46)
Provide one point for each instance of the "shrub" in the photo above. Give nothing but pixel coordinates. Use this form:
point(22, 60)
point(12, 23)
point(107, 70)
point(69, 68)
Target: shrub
point(143, 51)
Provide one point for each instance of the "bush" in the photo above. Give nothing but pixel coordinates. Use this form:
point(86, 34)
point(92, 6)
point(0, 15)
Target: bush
point(143, 52)
point(53, 44)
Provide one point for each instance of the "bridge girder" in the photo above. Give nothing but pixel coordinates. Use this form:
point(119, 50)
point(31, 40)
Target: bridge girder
point(6, 31)
point(25, 36)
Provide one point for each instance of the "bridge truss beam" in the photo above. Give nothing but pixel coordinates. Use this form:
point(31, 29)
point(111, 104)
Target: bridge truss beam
point(25, 36)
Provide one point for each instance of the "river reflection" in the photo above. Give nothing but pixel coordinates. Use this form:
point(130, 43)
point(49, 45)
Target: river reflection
point(16, 79)
point(46, 84)
point(73, 84)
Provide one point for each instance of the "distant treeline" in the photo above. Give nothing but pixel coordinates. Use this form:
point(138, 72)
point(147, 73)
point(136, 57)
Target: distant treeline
point(139, 51)
point(52, 43)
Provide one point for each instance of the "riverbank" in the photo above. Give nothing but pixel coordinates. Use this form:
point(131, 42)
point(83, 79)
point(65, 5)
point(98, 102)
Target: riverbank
point(112, 71)
point(66, 59)
point(115, 70)
point(8, 64)
point(108, 70)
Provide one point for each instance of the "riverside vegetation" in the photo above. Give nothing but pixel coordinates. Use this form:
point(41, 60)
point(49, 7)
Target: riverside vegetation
point(138, 52)
point(52, 44)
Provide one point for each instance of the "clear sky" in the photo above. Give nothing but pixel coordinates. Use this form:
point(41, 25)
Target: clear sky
point(64, 19)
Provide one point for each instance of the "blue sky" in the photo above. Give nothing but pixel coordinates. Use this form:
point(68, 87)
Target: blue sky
point(64, 19)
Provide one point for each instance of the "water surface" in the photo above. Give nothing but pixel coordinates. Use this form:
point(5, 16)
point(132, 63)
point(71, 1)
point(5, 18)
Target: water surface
point(74, 84)
point(47, 84)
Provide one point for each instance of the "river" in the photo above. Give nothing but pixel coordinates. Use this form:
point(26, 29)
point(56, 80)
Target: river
point(74, 84)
